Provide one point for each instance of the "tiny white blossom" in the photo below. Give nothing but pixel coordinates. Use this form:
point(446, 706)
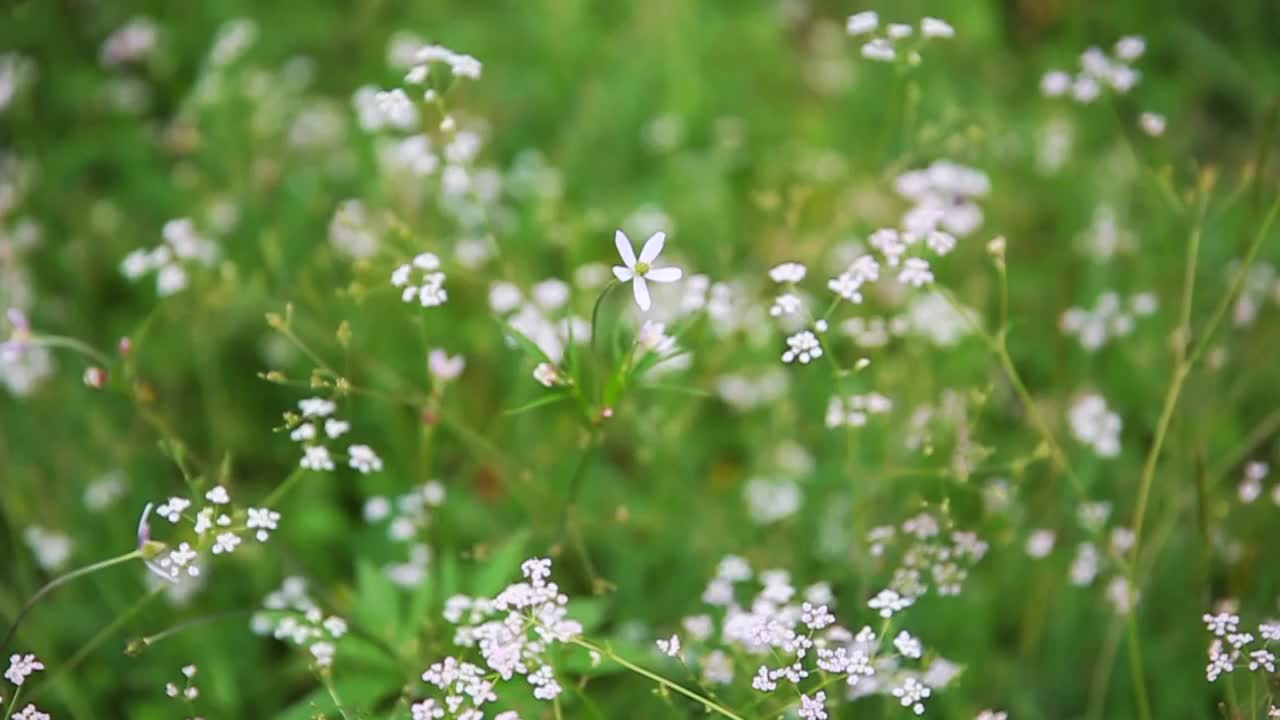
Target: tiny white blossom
point(802, 346)
point(862, 23)
point(22, 667)
point(226, 543)
point(670, 647)
point(317, 458)
point(788, 272)
point(639, 270)
point(362, 458)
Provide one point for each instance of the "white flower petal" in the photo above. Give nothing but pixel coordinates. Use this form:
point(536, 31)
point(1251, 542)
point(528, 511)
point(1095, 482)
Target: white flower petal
point(664, 274)
point(653, 247)
point(623, 273)
point(642, 293)
point(624, 248)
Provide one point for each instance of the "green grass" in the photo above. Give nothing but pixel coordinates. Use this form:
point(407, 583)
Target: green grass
point(773, 164)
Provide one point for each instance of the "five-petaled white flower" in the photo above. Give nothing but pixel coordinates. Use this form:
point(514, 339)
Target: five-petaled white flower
point(638, 271)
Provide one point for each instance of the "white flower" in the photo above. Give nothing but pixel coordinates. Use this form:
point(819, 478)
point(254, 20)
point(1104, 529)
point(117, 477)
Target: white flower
point(802, 346)
point(362, 458)
point(1055, 83)
point(912, 694)
point(444, 367)
point(316, 407)
point(897, 31)
point(889, 602)
point(639, 270)
point(323, 653)
point(908, 645)
point(934, 28)
point(654, 338)
point(226, 543)
point(317, 458)
point(788, 272)
point(218, 496)
point(879, 49)
point(30, 713)
point(1222, 623)
point(429, 291)
point(1152, 124)
point(546, 374)
point(264, 520)
point(671, 647)
point(1130, 47)
point(813, 708)
point(1040, 543)
point(915, 272)
point(862, 23)
point(334, 428)
point(21, 667)
point(786, 304)
point(1095, 425)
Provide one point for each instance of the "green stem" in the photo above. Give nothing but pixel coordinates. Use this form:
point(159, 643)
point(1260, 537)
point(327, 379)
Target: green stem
point(59, 581)
point(1135, 667)
point(13, 703)
point(137, 646)
point(706, 702)
point(283, 488)
point(58, 341)
point(99, 638)
point(333, 693)
point(595, 312)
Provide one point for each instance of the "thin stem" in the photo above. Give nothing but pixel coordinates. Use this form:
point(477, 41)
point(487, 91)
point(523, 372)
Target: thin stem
point(62, 580)
point(283, 488)
point(595, 312)
point(56, 341)
point(99, 638)
point(137, 646)
point(708, 703)
point(13, 702)
point(333, 693)
point(1135, 667)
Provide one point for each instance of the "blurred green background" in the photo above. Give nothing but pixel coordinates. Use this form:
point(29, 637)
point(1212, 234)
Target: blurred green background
point(764, 137)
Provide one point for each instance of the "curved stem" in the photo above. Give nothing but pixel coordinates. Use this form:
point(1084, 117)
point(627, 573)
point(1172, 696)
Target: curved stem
point(595, 312)
point(69, 343)
point(97, 640)
point(706, 702)
point(62, 580)
point(283, 488)
point(135, 647)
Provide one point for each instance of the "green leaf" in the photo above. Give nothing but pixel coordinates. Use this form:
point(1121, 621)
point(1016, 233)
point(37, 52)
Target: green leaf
point(501, 568)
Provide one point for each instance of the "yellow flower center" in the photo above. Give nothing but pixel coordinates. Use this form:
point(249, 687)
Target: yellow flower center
point(642, 268)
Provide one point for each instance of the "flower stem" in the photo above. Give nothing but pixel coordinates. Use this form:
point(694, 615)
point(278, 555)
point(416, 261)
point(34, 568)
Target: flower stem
point(97, 640)
point(62, 580)
point(595, 312)
point(13, 702)
point(327, 679)
point(283, 488)
point(708, 703)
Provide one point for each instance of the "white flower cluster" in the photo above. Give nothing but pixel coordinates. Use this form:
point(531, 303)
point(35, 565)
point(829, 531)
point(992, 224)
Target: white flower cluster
point(1098, 70)
point(1108, 318)
point(315, 427)
point(188, 691)
point(926, 556)
point(744, 392)
point(289, 614)
point(1250, 487)
point(22, 667)
point(1231, 647)
point(788, 636)
point(51, 548)
point(1261, 284)
point(1095, 425)
point(428, 285)
point(218, 527)
point(882, 48)
point(407, 516)
point(545, 319)
point(354, 231)
point(855, 410)
point(459, 64)
point(170, 260)
point(131, 42)
point(944, 199)
point(777, 495)
point(514, 632)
